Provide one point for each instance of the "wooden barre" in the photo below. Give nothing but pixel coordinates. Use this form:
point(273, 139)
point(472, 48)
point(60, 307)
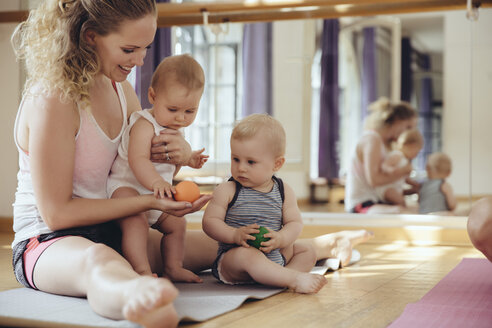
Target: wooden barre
point(176, 14)
point(275, 13)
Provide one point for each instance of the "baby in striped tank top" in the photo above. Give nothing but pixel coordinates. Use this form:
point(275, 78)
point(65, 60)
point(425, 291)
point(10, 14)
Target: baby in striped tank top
point(254, 197)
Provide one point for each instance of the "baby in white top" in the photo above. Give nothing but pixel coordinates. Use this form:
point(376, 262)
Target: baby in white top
point(407, 148)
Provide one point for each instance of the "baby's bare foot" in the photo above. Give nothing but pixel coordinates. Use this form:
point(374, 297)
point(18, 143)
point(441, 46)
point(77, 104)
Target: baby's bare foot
point(179, 274)
point(308, 283)
point(149, 303)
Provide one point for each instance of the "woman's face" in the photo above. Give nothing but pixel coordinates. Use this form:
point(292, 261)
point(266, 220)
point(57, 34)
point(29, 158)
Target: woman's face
point(119, 52)
point(399, 127)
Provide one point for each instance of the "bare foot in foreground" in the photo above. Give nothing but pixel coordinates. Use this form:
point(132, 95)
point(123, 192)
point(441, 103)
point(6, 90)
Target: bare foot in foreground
point(308, 283)
point(179, 274)
point(340, 244)
point(149, 303)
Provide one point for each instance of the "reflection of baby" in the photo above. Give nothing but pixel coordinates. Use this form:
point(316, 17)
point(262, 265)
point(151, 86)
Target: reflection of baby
point(435, 194)
point(408, 146)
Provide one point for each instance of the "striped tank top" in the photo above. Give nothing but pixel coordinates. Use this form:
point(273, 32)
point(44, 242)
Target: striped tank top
point(431, 197)
point(250, 206)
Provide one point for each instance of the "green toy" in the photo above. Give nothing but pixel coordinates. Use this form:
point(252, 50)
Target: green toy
point(259, 238)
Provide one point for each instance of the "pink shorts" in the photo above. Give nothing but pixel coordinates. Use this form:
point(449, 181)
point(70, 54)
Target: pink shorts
point(33, 251)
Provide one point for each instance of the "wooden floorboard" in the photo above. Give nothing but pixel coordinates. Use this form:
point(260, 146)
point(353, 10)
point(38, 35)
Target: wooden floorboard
point(371, 293)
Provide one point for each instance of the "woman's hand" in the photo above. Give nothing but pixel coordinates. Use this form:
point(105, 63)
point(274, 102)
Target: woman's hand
point(181, 208)
point(243, 234)
point(170, 147)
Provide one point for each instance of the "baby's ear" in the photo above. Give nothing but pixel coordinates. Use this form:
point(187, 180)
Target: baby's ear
point(279, 162)
point(151, 95)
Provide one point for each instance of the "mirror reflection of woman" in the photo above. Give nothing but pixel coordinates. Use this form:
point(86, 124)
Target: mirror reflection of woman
point(383, 126)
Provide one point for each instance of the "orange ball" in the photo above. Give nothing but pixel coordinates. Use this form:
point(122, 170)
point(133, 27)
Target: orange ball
point(187, 191)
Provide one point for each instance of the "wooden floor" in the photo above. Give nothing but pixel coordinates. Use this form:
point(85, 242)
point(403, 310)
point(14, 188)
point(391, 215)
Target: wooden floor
point(371, 293)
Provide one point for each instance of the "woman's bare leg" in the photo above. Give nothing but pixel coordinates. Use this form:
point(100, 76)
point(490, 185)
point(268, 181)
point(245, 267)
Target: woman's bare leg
point(480, 226)
point(299, 256)
point(201, 250)
point(75, 266)
point(337, 244)
point(386, 209)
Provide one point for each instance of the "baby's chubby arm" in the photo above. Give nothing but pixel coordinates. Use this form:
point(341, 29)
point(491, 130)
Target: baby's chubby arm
point(139, 146)
point(213, 219)
point(447, 190)
point(391, 162)
point(292, 224)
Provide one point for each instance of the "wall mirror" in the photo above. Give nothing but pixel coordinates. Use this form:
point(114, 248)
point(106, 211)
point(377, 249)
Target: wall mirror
point(448, 77)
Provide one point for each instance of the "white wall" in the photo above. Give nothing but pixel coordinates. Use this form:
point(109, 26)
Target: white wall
point(293, 52)
point(9, 94)
point(456, 113)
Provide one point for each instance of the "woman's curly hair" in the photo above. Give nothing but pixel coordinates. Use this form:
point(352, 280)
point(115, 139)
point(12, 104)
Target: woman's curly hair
point(51, 42)
point(385, 113)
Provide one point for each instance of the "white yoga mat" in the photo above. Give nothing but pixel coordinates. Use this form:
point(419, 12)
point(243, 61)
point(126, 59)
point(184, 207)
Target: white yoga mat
point(24, 307)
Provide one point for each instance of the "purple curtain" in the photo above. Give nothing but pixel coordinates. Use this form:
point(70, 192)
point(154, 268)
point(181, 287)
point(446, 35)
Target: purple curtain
point(425, 109)
point(160, 49)
point(257, 69)
point(369, 70)
point(328, 159)
point(406, 70)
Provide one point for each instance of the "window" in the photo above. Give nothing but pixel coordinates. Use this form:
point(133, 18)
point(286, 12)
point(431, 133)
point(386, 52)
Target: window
point(219, 56)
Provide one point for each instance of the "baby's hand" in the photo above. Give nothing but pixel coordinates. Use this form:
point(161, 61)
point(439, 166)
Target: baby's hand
point(243, 234)
point(197, 159)
point(274, 242)
point(163, 189)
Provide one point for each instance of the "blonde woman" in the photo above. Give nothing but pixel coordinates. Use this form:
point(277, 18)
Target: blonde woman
point(76, 102)
point(383, 126)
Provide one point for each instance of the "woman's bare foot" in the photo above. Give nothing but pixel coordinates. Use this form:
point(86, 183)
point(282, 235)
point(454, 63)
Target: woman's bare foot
point(308, 283)
point(340, 244)
point(179, 274)
point(149, 303)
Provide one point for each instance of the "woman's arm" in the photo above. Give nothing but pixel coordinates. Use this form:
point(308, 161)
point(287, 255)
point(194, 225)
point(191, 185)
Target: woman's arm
point(369, 150)
point(52, 128)
point(414, 187)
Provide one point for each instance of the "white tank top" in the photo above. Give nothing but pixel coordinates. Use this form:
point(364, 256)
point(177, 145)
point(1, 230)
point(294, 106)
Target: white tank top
point(357, 188)
point(94, 156)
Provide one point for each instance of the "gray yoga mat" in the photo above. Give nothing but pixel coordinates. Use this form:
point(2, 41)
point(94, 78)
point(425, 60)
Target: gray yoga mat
point(24, 307)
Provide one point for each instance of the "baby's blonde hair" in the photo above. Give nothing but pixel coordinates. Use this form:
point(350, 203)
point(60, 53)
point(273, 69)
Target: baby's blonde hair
point(440, 163)
point(182, 69)
point(273, 131)
point(52, 42)
point(410, 137)
point(385, 113)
